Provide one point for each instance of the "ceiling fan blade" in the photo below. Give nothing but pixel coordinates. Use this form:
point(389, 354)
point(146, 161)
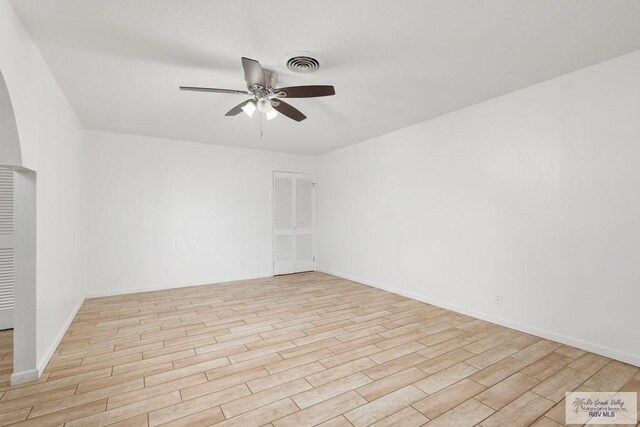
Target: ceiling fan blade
point(215, 90)
point(287, 110)
point(305, 91)
point(253, 72)
point(238, 108)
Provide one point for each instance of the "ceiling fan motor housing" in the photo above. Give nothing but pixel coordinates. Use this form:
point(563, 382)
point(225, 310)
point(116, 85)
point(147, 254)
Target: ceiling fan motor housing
point(271, 79)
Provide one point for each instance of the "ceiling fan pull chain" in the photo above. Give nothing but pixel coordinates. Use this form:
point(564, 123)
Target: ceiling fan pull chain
point(260, 126)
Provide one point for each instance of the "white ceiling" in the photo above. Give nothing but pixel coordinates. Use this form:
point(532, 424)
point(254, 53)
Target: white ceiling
point(393, 62)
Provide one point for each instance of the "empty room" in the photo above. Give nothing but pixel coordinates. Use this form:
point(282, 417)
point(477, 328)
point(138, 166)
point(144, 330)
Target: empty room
point(319, 213)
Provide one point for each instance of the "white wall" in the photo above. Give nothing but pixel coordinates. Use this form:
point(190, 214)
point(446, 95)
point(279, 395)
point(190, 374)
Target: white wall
point(51, 145)
point(167, 213)
point(533, 195)
point(10, 153)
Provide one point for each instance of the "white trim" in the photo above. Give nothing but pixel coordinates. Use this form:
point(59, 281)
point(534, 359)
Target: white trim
point(184, 285)
point(25, 216)
point(24, 377)
point(47, 357)
point(543, 333)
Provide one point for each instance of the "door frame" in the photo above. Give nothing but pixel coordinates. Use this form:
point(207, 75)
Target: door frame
point(271, 212)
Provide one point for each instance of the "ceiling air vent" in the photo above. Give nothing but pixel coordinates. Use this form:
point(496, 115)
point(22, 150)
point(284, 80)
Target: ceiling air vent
point(302, 63)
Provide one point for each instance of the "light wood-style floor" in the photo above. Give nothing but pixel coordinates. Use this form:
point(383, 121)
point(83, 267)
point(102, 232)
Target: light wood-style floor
point(307, 349)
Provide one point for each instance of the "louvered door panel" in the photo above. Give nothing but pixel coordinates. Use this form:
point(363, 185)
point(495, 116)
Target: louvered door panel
point(304, 202)
point(304, 223)
point(6, 279)
point(283, 196)
point(304, 250)
point(283, 223)
point(6, 249)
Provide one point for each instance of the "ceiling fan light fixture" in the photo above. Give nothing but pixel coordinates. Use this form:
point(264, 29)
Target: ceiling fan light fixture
point(271, 114)
point(264, 105)
point(249, 108)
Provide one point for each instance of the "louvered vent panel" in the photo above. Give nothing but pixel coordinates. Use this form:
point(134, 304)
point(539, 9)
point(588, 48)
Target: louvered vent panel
point(6, 279)
point(304, 247)
point(6, 235)
point(304, 203)
point(284, 248)
point(283, 199)
point(6, 201)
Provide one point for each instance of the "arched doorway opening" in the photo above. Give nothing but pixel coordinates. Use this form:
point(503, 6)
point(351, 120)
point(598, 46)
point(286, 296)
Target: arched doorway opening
point(17, 251)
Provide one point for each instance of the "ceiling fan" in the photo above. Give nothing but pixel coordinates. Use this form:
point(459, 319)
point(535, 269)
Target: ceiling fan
point(266, 98)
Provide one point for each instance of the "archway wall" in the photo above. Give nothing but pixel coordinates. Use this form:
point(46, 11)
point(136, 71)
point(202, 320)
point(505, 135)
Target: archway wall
point(10, 154)
point(51, 145)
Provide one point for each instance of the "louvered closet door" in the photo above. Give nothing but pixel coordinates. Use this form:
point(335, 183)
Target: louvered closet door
point(6, 249)
point(293, 222)
point(303, 231)
point(283, 223)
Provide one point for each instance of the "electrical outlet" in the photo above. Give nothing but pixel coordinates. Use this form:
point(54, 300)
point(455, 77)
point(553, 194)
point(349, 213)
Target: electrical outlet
point(498, 299)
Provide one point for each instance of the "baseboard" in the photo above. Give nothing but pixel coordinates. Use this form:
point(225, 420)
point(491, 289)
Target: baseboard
point(52, 348)
point(543, 333)
point(99, 294)
point(24, 376)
